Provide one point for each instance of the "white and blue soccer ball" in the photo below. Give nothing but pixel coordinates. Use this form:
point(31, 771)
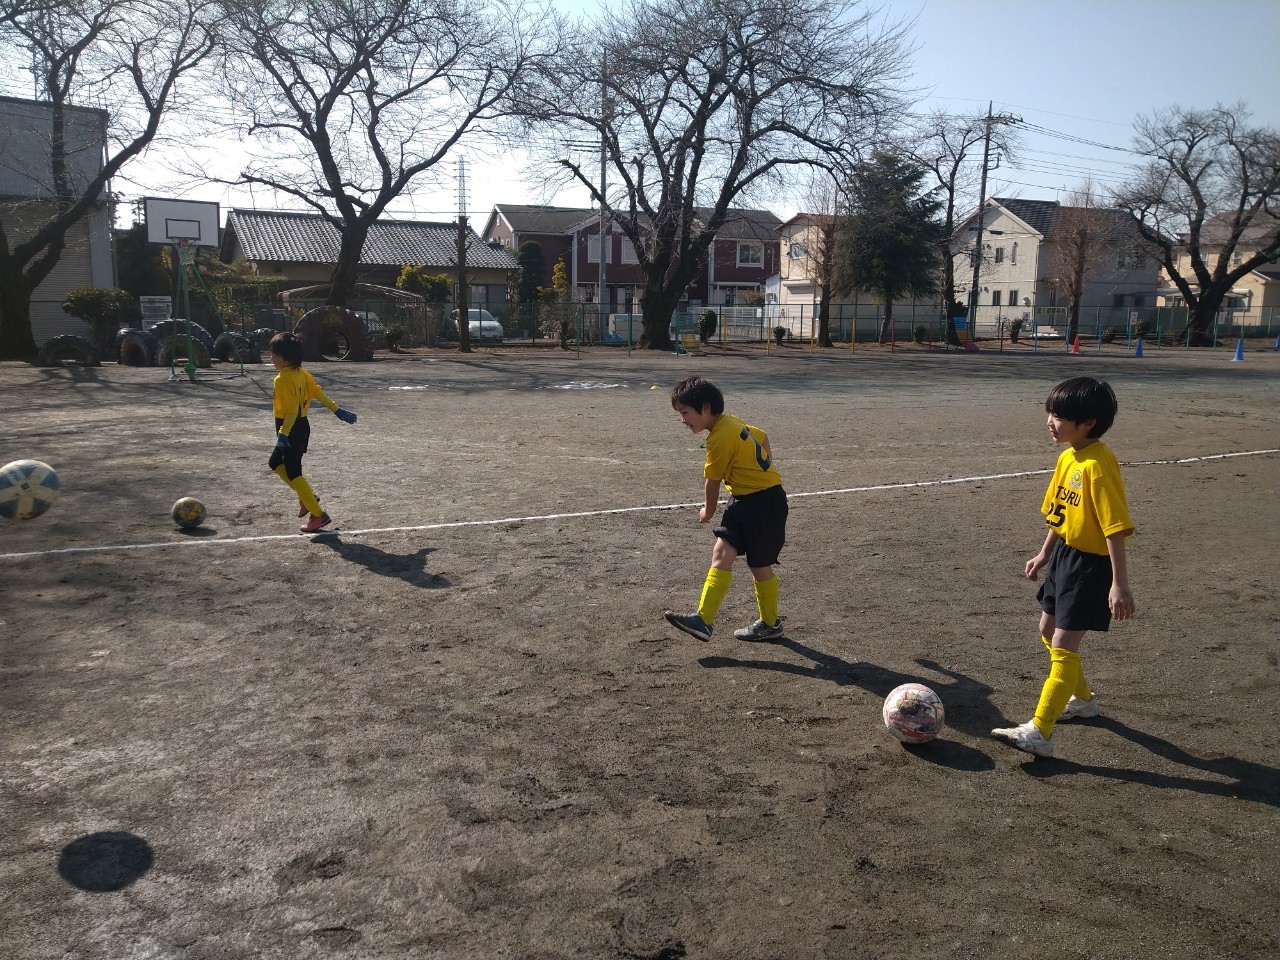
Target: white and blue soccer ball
point(27, 489)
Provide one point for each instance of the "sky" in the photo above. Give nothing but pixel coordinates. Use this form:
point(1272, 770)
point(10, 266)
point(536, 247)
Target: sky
point(1076, 73)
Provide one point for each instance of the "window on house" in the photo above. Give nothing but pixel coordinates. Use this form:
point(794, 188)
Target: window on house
point(995, 298)
point(1117, 300)
point(629, 254)
point(593, 250)
point(797, 251)
point(1129, 260)
point(1139, 301)
point(1013, 298)
point(1236, 259)
point(750, 254)
point(999, 254)
point(1013, 253)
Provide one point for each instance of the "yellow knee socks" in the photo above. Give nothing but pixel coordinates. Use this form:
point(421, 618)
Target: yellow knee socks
point(1082, 691)
point(1065, 677)
point(303, 489)
point(767, 600)
point(713, 593)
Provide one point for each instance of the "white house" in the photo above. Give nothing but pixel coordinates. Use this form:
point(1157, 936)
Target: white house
point(1021, 266)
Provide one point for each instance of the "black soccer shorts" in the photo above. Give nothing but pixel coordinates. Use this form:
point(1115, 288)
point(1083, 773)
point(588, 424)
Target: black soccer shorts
point(756, 525)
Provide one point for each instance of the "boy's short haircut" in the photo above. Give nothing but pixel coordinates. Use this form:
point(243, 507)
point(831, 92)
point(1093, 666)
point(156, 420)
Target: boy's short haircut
point(1084, 398)
point(288, 348)
point(693, 392)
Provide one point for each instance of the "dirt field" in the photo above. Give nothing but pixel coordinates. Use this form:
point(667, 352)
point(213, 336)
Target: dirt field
point(461, 728)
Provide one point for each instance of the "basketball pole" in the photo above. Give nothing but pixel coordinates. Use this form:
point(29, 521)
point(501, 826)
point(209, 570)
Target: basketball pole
point(186, 254)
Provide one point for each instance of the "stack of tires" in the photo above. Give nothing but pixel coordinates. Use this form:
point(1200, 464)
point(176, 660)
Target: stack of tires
point(166, 341)
point(67, 348)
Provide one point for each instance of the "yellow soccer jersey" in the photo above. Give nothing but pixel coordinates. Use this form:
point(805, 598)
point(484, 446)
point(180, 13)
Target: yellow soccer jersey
point(295, 388)
point(737, 456)
point(1085, 502)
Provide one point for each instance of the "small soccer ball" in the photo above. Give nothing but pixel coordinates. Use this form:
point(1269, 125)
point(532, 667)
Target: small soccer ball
point(188, 513)
point(913, 713)
point(27, 489)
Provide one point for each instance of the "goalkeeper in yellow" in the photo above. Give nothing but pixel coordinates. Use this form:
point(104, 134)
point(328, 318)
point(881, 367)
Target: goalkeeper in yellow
point(295, 388)
point(755, 519)
point(1086, 580)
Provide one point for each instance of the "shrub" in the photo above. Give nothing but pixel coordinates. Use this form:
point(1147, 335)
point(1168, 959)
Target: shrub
point(393, 336)
point(707, 325)
point(1108, 334)
point(106, 311)
point(779, 333)
point(1142, 329)
point(1015, 329)
point(919, 333)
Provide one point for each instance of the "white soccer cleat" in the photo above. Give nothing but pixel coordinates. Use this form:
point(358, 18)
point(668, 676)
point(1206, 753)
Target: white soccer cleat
point(1080, 709)
point(1026, 737)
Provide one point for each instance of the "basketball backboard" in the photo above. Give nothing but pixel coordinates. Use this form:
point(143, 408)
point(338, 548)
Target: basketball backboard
point(169, 221)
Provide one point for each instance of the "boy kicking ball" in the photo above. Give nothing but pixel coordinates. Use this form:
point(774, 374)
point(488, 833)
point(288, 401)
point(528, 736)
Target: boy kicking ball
point(1086, 579)
point(294, 389)
point(755, 519)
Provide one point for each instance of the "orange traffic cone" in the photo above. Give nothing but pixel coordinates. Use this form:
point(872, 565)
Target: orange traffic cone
point(1075, 347)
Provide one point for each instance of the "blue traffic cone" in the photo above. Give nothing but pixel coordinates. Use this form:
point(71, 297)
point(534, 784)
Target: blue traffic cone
point(1138, 352)
point(1239, 351)
point(1278, 341)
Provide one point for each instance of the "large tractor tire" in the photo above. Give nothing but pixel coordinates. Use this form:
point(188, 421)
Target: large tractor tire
point(138, 349)
point(178, 328)
point(67, 348)
point(332, 333)
point(232, 346)
point(174, 348)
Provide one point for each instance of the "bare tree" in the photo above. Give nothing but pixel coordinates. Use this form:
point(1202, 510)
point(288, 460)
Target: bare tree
point(699, 105)
point(818, 238)
point(1084, 233)
point(350, 102)
point(950, 147)
point(1212, 180)
point(121, 60)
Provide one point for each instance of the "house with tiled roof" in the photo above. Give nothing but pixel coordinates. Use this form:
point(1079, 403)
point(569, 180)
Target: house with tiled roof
point(742, 257)
point(304, 248)
point(1021, 263)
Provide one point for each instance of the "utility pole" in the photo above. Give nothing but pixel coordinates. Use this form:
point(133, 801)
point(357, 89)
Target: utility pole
point(604, 213)
point(974, 290)
point(977, 247)
point(464, 314)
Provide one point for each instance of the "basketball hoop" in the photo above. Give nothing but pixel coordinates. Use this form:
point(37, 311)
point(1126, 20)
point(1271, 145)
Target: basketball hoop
point(186, 251)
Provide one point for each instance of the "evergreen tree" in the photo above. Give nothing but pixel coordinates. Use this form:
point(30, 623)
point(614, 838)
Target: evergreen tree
point(888, 240)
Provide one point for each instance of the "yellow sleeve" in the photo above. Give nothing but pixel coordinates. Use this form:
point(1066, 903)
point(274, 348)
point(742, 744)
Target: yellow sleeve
point(315, 393)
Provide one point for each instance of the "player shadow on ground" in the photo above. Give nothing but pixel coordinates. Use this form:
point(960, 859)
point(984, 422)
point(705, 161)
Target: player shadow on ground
point(967, 702)
point(411, 568)
point(1250, 781)
point(104, 862)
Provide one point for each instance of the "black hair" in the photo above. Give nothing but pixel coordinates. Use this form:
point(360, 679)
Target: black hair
point(288, 348)
point(1084, 398)
point(694, 392)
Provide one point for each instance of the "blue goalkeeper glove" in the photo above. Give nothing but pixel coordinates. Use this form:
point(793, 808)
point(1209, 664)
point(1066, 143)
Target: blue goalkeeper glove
point(282, 442)
point(346, 416)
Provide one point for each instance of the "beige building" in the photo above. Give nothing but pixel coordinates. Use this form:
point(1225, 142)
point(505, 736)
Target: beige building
point(1254, 300)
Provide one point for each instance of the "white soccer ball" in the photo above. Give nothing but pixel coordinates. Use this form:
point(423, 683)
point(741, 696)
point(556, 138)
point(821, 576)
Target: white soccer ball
point(27, 489)
point(188, 513)
point(913, 713)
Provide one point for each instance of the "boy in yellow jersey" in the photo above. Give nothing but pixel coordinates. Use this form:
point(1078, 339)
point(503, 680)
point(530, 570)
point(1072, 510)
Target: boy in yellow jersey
point(295, 388)
point(755, 519)
point(1086, 579)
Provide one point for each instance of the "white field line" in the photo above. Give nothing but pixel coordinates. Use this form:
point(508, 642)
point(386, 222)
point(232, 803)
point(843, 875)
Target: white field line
point(300, 538)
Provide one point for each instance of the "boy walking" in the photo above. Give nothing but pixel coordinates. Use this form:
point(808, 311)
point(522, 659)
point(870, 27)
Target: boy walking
point(1086, 579)
point(755, 519)
point(294, 389)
